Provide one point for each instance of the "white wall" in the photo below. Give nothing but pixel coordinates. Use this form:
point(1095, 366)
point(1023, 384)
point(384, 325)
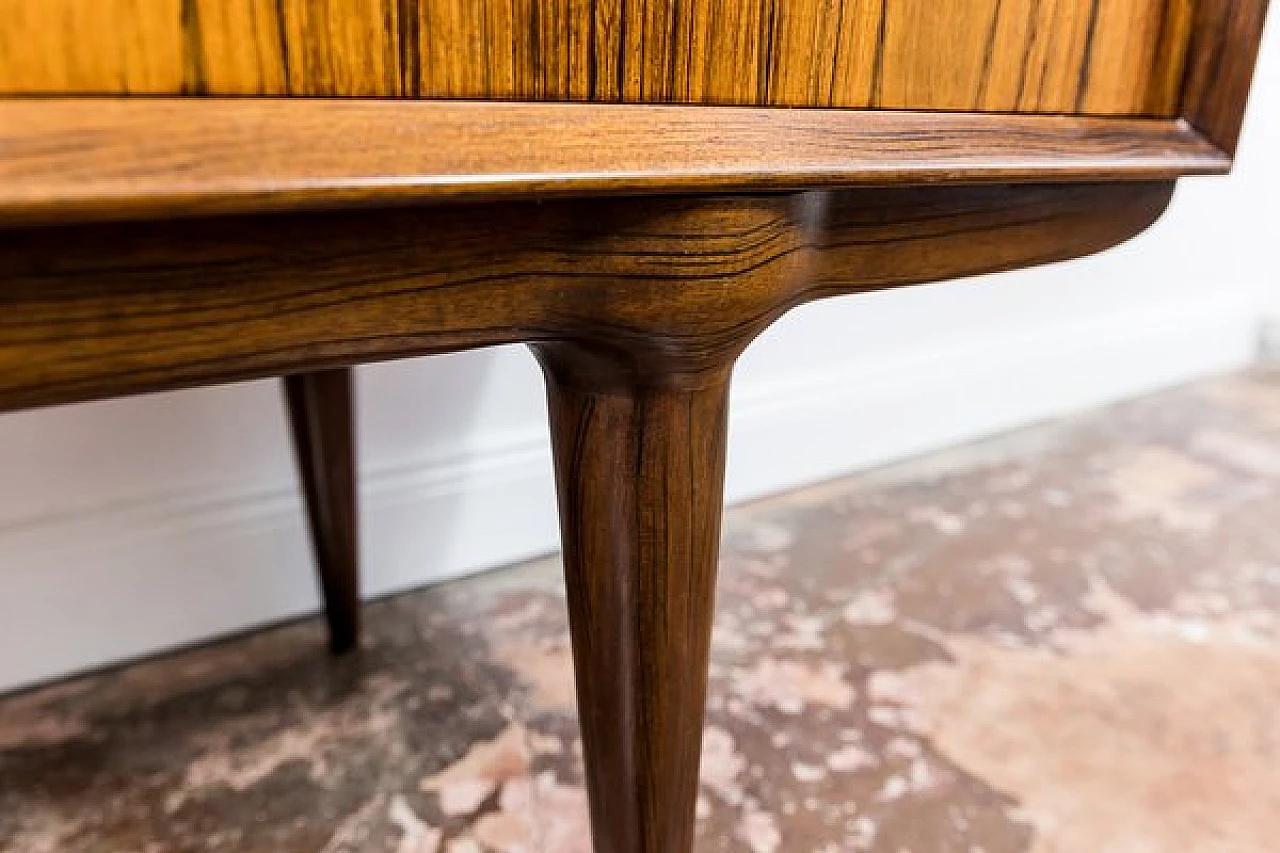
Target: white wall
point(135, 525)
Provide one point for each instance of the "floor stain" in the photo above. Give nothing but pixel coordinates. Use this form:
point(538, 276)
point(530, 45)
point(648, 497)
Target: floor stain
point(1148, 732)
point(1062, 640)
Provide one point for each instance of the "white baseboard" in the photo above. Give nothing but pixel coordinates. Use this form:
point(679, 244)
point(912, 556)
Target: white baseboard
point(860, 417)
point(1269, 338)
point(164, 572)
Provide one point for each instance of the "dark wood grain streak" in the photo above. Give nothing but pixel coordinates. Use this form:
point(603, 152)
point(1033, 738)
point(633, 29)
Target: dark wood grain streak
point(133, 158)
point(1224, 51)
point(321, 410)
point(1171, 54)
point(282, 40)
point(409, 49)
point(1086, 61)
point(194, 82)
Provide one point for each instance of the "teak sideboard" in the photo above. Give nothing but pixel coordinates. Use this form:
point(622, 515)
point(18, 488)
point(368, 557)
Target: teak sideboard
point(203, 191)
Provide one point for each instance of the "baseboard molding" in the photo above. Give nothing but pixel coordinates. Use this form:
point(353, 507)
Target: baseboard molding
point(863, 416)
point(1269, 338)
point(164, 572)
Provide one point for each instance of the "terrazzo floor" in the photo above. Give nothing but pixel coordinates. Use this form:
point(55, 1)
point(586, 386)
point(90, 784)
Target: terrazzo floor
point(1064, 640)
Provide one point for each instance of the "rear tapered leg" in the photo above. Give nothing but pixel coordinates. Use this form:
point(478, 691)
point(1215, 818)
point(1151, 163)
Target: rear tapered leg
point(322, 418)
point(640, 469)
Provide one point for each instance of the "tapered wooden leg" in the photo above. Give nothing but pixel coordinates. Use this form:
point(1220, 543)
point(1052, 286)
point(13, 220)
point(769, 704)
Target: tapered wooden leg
point(640, 469)
point(322, 417)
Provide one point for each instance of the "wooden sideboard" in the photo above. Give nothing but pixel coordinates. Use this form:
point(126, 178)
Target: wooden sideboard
point(202, 191)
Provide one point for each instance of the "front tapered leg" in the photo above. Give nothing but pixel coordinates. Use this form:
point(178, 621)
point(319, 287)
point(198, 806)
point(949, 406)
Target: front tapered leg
point(640, 470)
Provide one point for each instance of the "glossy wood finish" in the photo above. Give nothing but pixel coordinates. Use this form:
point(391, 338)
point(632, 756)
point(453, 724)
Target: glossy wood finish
point(639, 439)
point(322, 418)
point(637, 309)
point(269, 263)
point(135, 158)
point(214, 300)
point(1098, 56)
point(106, 45)
point(1223, 53)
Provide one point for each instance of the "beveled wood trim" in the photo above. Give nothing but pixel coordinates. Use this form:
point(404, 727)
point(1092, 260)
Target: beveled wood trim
point(1222, 57)
point(71, 160)
point(101, 310)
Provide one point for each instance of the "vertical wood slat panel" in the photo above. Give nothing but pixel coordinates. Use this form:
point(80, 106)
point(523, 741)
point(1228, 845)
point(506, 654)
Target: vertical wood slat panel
point(340, 47)
point(239, 47)
point(73, 46)
point(924, 57)
point(1006, 55)
point(827, 58)
point(722, 39)
point(1095, 56)
point(225, 47)
point(1037, 54)
point(1172, 52)
point(1129, 52)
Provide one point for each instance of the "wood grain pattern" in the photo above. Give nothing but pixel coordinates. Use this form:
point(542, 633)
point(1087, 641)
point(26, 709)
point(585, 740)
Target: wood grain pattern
point(101, 46)
point(640, 450)
point(238, 47)
point(201, 301)
point(292, 47)
point(342, 48)
point(1223, 53)
point(1130, 50)
point(137, 158)
point(637, 310)
point(321, 409)
point(1104, 57)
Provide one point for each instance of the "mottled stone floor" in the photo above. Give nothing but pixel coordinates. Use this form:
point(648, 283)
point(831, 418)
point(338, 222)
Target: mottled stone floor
point(1060, 641)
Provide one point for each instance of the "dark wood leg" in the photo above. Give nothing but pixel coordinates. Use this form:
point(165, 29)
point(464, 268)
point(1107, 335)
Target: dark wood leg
point(640, 470)
point(322, 417)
